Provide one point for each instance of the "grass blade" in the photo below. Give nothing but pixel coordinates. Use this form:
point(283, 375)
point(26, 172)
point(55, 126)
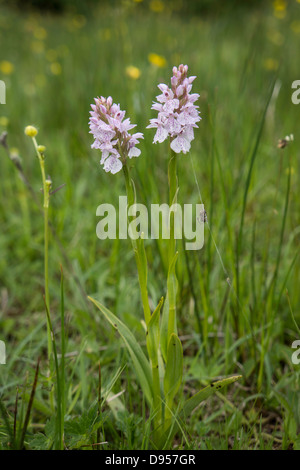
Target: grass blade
point(141, 365)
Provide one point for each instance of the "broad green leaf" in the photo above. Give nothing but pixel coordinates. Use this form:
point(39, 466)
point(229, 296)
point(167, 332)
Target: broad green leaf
point(153, 350)
point(153, 334)
point(115, 404)
point(206, 392)
point(140, 363)
point(174, 366)
point(168, 323)
point(39, 405)
point(164, 328)
point(142, 259)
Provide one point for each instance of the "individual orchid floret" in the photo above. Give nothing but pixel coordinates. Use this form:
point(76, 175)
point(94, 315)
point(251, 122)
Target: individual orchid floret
point(177, 113)
point(111, 134)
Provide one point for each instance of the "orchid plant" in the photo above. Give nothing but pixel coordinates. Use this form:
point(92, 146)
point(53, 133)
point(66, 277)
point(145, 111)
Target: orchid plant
point(160, 371)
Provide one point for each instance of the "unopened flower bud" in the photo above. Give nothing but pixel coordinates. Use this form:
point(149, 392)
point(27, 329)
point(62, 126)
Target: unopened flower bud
point(48, 182)
point(31, 131)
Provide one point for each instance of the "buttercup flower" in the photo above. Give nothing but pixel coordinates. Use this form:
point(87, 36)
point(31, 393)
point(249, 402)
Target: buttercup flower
point(177, 113)
point(111, 134)
point(133, 72)
point(157, 60)
point(6, 67)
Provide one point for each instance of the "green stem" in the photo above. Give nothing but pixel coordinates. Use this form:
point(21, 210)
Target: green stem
point(141, 262)
point(173, 188)
point(138, 251)
point(46, 190)
point(62, 365)
point(172, 283)
point(173, 185)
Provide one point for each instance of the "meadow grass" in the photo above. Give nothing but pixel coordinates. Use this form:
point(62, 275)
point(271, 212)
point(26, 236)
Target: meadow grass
point(237, 299)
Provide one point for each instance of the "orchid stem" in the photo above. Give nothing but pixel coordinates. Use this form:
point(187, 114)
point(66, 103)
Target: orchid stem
point(141, 261)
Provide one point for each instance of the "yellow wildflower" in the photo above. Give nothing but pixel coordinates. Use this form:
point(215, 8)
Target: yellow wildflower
point(6, 67)
point(157, 60)
point(279, 5)
point(40, 33)
point(290, 171)
point(55, 68)
point(271, 64)
point(133, 72)
point(4, 121)
point(295, 26)
point(157, 6)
